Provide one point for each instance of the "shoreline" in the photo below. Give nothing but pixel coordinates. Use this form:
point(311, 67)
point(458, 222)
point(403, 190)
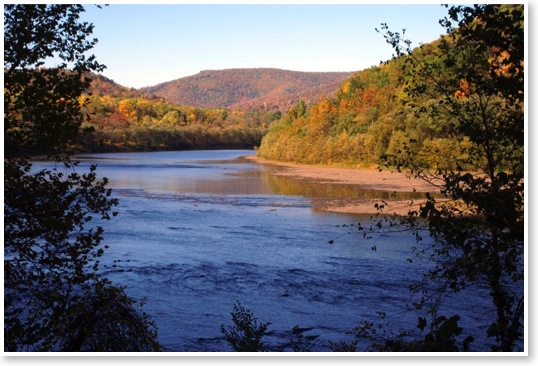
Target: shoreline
point(363, 178)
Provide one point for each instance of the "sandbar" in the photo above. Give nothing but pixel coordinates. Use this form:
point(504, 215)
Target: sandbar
point(365, 178)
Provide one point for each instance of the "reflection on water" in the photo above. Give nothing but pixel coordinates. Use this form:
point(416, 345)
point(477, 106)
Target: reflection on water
point(303, 187)
point(199, 230)
point(220, 173)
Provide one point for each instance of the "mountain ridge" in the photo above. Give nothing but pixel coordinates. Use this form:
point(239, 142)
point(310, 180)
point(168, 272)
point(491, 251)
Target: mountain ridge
point(249, 88)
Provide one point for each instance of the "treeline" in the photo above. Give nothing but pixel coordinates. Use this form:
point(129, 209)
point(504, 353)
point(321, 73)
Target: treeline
point(123, 119)
point(367, 119)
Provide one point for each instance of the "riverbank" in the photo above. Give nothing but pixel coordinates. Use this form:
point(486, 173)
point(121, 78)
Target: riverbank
point(363, 178)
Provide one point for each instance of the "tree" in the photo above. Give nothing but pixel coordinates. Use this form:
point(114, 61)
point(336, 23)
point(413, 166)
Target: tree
point(298, 110)
point(34, 95)
point(477, 86)
point(54, 297)
point(247, 333)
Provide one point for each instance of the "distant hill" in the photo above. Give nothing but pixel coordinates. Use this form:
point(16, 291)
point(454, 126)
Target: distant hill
point(103, 86)
point(249, 89)
point(127, 119)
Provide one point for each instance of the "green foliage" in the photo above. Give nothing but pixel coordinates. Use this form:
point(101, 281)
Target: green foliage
point(247, 333)
point(298, 111)
point(375, 113)
point(450, 113)
point(338, 130)
point(476, 88)
point(54, 297)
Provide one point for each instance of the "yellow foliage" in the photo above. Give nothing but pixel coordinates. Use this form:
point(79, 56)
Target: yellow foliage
point(82, 100)
point(125, 108)
point(107, 101)
point(501, 67)
point(345, 87)
point(464, 91)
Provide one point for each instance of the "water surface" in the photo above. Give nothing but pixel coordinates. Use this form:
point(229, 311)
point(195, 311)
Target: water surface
point(199, 230)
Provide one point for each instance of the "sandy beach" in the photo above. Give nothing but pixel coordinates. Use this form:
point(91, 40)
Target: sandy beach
point(365, 178)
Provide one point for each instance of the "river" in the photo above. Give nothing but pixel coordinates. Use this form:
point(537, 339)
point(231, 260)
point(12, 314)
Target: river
point(198, 231)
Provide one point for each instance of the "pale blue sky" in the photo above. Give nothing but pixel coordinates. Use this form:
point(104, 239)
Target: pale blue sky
point(144, 45)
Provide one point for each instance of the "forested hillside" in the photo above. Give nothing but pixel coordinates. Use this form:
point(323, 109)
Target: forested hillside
point(452, 114)
point(123, 119)
point(260, 89)
point(213, 109)
point(366, 119)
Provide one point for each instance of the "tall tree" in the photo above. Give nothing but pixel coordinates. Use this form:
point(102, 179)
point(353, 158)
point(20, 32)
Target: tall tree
point(54, 297)
point(477, 85)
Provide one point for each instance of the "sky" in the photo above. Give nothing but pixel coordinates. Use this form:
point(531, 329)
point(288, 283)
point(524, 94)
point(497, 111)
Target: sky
point(144, 45)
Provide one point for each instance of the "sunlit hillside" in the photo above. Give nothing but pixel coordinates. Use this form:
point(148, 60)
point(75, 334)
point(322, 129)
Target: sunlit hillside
point(249, 89)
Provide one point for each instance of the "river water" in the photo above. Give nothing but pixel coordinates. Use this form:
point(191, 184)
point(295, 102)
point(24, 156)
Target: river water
point(198, 231)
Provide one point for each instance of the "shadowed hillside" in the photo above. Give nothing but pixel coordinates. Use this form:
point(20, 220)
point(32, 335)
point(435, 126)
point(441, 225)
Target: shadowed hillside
point(249, 89)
